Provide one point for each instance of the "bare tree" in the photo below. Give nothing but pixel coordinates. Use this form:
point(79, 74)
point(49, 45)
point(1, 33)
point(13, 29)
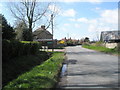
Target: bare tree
point(51, 14)
point(29, 11)
point(97, 36)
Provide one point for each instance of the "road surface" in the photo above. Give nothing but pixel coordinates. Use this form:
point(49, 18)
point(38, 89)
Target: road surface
point(89, 69)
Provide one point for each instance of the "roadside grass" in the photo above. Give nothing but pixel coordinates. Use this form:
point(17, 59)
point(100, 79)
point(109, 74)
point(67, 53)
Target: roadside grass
point(19, 65)
point(41, 76)
point(102, 49)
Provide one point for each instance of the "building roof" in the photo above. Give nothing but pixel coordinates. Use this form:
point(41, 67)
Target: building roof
point(110, 35)
point(40, 30)
point(41, 34)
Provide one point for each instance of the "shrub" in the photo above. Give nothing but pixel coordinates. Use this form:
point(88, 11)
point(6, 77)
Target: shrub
point(86, 43)
point(11, 49)
point(99, 43)
point(19, 65)
point(15, 49)
point(27, 47)
point(5, 50)
point(40, 77)
point(34, 48)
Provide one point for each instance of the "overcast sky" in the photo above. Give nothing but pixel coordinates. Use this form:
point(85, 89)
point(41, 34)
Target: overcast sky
point(79, 19)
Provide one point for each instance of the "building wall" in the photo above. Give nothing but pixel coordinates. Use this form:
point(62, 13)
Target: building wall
point(111, 45)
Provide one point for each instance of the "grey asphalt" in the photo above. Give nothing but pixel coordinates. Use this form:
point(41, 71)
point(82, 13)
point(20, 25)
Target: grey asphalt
point(89, 69)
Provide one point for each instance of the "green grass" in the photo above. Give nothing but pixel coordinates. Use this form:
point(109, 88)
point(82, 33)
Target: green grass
point(102, 49)
point(19, 65)
point(41, 76)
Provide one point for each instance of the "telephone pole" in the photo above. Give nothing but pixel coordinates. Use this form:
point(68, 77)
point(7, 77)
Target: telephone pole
point(52, 32)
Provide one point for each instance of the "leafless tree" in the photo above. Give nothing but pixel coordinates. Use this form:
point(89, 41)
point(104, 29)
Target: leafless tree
point(29, 11)
point(97, 35)
point(51, 14)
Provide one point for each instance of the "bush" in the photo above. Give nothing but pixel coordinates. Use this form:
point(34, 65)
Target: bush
point(5, 50)
point(99, 43)
point(11, 49)
point(19, 65)
point(86, 43)
point(41, 76)
point(34, 48)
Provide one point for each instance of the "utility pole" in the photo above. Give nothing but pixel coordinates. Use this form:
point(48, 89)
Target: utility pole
point(52, 33)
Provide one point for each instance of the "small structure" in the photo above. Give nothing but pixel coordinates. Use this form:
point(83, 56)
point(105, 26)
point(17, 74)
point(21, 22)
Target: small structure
point(110, 38)
point(44, 36)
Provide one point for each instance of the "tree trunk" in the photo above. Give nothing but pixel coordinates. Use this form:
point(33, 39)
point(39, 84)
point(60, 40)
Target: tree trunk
point(30, 30)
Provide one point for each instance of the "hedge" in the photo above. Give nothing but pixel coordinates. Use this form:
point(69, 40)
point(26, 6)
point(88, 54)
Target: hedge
point(42, 76)
point(11, 49)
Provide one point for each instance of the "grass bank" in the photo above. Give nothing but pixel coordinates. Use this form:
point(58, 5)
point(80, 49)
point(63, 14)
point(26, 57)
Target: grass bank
point(19, 65)
point(41, 76)
point(102, 49)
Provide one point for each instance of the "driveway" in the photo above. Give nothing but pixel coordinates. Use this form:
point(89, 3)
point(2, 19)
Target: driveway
point(89, 69)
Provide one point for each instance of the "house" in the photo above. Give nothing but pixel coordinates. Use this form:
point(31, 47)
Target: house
point(41, 34)
point(44, 36)
point(110, 36)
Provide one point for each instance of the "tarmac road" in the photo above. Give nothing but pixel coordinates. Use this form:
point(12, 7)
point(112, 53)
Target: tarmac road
point(89, 69)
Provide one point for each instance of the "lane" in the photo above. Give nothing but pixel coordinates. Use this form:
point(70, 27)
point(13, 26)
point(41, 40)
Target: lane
point(89, 68)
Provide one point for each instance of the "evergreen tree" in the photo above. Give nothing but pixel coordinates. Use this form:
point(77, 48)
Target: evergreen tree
point(7, 31)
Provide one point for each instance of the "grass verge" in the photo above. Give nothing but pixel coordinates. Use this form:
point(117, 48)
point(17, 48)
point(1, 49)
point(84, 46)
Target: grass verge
point(41, 76)
point(102, 49)
point(19, 65)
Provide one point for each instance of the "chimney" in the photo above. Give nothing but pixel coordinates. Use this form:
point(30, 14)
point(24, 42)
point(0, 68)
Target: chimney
point(43, 27)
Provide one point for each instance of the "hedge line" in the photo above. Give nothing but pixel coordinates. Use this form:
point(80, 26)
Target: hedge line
point(19, 65)
point(40, 77)
point(11, 49)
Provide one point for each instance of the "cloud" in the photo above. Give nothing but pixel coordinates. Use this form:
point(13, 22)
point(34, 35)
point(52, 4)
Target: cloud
point(107, 21)
point(64, 29)
point(69, 13)
point(97, 8)
point(77, 25)
point(71, 0)
point(95, 1)
point(85, 20)
point(91, 1)
point(110, 16)
point(75, 36)
point(71, 19)
point(66, 24)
